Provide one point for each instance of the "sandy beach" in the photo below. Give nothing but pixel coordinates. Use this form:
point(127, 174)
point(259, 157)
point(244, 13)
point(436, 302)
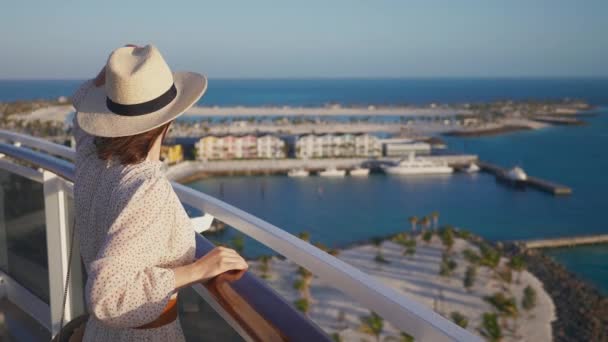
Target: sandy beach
point(417, 276)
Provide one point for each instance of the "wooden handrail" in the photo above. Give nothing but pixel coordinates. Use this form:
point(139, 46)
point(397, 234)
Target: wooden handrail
point(256, 326)
point(262, 313)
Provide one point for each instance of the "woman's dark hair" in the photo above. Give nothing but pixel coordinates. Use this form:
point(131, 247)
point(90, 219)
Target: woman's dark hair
point(131, 149)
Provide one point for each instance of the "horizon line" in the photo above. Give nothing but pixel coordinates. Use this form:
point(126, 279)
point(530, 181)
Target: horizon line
point(371, 78)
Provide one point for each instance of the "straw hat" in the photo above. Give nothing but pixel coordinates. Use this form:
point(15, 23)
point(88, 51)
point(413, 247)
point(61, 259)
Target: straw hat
point(140, 93)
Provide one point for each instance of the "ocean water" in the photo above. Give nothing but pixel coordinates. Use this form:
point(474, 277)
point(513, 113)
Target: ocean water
point(316, 92)
point(342, 211)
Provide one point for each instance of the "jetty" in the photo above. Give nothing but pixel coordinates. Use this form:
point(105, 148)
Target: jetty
point(559, 120)
point(534, 182)
point(566, 241)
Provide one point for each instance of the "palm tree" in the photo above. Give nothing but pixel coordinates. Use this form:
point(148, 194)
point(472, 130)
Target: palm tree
point(425, 222)
point(459, 319)
point(447, 238)
point(303, 305)
point(518, 264)
point(377, 241)
point(304, 236)
point(405, 337)
point(265, 266)
point(490, 328)
point(304, 284)
point(503, 304)
point(413, 221)
point(238, 243)
point(435, 216)
point(529, 299)
point(372, 325)
point(469, 277)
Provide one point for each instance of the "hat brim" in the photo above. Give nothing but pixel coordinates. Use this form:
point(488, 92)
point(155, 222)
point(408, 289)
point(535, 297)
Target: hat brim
point(95, 118)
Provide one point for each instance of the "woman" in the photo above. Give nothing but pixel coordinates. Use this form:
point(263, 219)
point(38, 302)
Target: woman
point(136, 240)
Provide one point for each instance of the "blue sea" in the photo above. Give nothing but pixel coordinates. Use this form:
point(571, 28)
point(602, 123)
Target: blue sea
point(338, 212)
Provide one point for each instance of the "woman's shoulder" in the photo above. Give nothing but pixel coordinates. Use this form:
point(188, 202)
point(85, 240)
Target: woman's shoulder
point(144, 176)
point(143, 179)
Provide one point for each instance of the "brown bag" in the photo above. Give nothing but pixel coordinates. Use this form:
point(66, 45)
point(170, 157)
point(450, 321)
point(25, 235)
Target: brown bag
point(73, 331)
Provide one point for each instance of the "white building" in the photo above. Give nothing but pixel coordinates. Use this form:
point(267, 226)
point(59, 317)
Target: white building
point(270, 146)
point(337, 145)
point(246, 146)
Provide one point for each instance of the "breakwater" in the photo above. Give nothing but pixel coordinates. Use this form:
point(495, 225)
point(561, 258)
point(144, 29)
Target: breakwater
point(566, 241)
point(534, 182)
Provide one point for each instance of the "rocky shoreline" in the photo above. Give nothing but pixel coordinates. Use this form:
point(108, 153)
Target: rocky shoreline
point(581, 310)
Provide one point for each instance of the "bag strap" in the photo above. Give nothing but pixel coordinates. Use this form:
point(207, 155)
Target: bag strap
point(67, 278)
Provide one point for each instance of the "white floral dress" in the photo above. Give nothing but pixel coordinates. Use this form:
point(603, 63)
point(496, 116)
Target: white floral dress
point(132, 229)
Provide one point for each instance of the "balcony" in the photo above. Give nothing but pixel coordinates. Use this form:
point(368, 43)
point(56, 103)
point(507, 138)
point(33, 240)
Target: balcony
point(37, 193)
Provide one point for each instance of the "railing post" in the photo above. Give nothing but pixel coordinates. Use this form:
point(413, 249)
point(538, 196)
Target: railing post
point(58, 229)
point(3, 239)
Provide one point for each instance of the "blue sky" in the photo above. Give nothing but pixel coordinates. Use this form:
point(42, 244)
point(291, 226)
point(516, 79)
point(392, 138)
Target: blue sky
point(313, 38)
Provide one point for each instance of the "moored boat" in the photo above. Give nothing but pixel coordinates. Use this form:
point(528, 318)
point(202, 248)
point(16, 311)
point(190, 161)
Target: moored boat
point(516, 177)
point(472, 168)
point(332, 172)
point(298, 173)
point(418, 166)
point(359, 172)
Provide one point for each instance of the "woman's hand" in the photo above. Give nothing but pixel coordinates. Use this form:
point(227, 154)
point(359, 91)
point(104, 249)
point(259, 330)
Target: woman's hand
point(217, 262)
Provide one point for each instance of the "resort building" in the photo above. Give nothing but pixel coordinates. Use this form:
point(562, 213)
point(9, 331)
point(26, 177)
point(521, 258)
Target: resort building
point(270, 146)
point(171, 154)
point(247, 146)
point(397, 147)
point(337, 145)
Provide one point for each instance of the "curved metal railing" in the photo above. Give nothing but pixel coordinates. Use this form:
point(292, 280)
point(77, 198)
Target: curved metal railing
point(405, 314)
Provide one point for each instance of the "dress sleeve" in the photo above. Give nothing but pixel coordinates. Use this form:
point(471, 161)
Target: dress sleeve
point(126, 287)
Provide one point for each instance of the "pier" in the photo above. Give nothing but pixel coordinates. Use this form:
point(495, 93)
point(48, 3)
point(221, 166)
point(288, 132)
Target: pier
point(566, 241)
point(534, 182)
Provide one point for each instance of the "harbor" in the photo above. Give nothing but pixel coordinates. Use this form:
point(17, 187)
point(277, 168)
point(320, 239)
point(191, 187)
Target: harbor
point(191, 170)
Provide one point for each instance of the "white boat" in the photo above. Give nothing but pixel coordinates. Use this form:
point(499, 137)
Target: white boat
point(359, 172)
point(516, 174)
point(516, 177)
point(332, 172)
point(472, 168)
point(418, 166)
point(298, 173)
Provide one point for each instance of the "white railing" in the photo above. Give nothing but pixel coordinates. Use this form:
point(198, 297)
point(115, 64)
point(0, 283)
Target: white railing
point(402, 312)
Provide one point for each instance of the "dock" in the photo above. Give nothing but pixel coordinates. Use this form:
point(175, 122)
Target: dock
point(566, 241)
point(533, 182)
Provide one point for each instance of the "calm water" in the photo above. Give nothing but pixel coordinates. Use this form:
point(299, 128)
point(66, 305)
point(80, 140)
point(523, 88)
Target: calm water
point(340, 211)
point(353, 91)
